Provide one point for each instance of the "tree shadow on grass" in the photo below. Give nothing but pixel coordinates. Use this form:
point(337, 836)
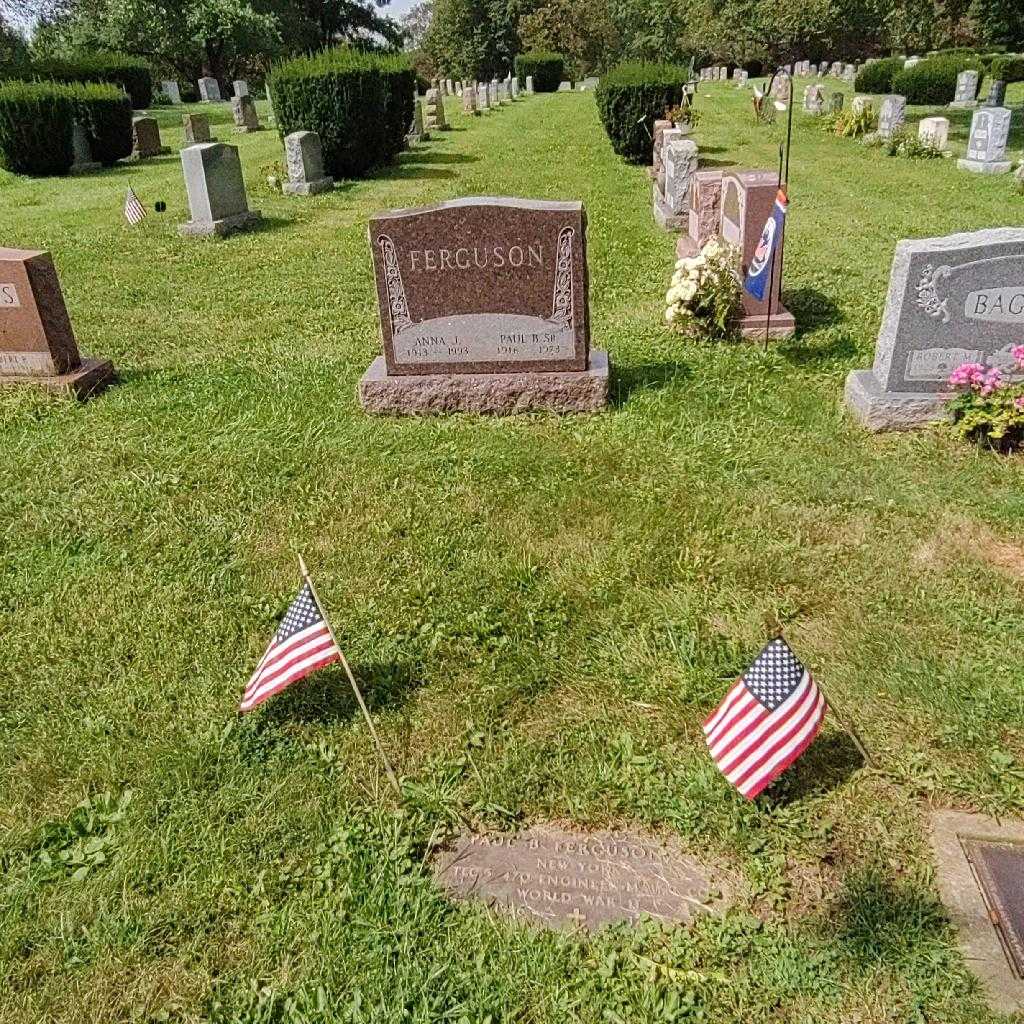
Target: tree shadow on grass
point(812, 308)
point(706, 164)
point(411, 170)
point(645, 377)
point(877, 919)
point(327, 695)
point(827, 764)
point(424, 156)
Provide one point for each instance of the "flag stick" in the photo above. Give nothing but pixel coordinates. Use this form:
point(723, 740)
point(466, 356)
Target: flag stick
point(351, 678)
point(771, 272)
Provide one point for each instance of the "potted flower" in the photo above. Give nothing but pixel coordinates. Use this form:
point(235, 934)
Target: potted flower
point(986, 406)
point(704, 296)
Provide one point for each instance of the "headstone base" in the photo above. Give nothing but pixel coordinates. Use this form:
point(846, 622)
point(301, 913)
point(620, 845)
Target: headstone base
point(308, 188)
point(964, 104)
point(783, 325)
point(244, 129)
point(227, 226)
point(88, 379)
point(85, 168)
point(985, 166)
point(686, 247)
point(663, 214)
point(879, 410)
point(495, 394)
point(162, 151)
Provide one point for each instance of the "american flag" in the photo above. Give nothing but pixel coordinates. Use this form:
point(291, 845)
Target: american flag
point(134, 211)
point(302, 644)
point(766, 721)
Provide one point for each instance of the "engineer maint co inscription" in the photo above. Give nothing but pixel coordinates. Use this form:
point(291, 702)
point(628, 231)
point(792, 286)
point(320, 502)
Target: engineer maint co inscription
point(482, 285)
point(564, 879)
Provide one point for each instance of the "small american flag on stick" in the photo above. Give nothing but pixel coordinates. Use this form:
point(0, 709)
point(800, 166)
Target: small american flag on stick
point(302, 644)
point(134, 211)
point(766, 721)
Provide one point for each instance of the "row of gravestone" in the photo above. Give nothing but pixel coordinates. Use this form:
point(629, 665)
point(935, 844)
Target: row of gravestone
point(209, 90)
point(720, 73)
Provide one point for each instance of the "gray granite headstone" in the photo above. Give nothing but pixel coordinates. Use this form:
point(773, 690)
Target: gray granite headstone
point(243, 109)
point(835, 102)
point(814, 100)
point(741, 78)
point(952, 300)
point(966, 89)
point(209, 90)
point(305, 158)
point(986, 147)
point(892, 115)
point(565, 86)
point(529, 85)
point(996, 94)
point(562, 879)
point(146, 138)
point(672, 202)
point(216, 190)
point(240, 87)
point(933, 132)
point(197, 129)
point(469, 100)
point(170, 89)
point(82, 149)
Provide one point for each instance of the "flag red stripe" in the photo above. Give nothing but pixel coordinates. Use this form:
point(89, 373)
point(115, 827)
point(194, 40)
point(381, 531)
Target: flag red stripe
point(277, 651)
point(734, 743)
point(310, 648)
point(287, 653)
point(249, 703)
point(753, 788)
point(746, 711)
point(763, 765)
point(769, 724)
point(713, 719)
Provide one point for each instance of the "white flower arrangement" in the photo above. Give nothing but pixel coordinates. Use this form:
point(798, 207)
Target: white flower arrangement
point(705, 291)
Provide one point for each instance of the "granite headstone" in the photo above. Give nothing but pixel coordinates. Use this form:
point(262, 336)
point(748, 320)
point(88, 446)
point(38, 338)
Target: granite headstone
point(986, 146)
point(305, 159)
point(216, 190)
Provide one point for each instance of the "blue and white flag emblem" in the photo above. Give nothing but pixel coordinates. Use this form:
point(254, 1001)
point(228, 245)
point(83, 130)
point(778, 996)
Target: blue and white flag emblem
point(759, 272)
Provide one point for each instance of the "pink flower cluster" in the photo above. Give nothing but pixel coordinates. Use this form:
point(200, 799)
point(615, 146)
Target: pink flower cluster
point(986, 382)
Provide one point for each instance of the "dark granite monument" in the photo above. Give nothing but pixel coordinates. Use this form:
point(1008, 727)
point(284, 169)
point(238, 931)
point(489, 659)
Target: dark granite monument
point(566, 879)
point(483, 308)
point(748, 198)
point(37, 342)
point(952, 300)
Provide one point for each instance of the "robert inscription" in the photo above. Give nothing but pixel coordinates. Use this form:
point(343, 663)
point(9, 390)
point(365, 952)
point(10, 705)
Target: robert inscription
point(557, 878)
point(482, 285)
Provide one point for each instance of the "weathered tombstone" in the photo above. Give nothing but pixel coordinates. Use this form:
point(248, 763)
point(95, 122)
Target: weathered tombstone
point(704, 215)
point(483, 100)
point(529, 85)
point(986, 147)
point(417, 131)
point(243, 109)
point(559, 879)
point(661, 126)
point(933, 132)
point(952, 300)
point(860, 104)
point(823, 70)
point(514, 86)
point(469, 101)
point(814, 100)
point(910, 62)
point(305, 159)
point(197, 129)
point(748, 198)
point(671, 203)
point(434, 119)
point(170, 89)
point(451, 86)
point(483, 308)
point(835, 102)
point(82, 149)
point(741, 78)
point(836, 71)
point(565, 86)
point(270, 104)
point(240, 87)
point(37, 342)
point(891, 116)
point(209, 90)
point(966, 90)
point(849, 73)
point(216, 190)
point(146, 138)
point(589, 84)
point(996, 93)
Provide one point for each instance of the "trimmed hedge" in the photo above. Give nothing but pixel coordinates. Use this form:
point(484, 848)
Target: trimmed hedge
point(932, 81)
point(547, 69)
point(877, 75)
point(631, 97)
point(37, 120)
point(360, 104)
point(1008, 68)
point(130, 73)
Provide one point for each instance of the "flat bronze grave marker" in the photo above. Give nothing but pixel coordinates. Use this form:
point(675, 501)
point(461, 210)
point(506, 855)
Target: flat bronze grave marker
point(1000, 871)
point(568, 879)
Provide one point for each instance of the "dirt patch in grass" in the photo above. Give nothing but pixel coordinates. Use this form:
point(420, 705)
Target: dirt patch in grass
point(966, 540)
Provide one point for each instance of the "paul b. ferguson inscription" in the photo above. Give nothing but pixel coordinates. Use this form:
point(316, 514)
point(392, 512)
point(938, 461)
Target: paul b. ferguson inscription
point(952, 300)
point(562, 878)
point(492, 294)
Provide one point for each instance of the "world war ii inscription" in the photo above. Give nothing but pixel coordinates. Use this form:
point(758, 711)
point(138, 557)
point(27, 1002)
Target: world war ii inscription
point(558, 878)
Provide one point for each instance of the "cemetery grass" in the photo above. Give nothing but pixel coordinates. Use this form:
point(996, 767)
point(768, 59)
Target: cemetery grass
point(542, 610)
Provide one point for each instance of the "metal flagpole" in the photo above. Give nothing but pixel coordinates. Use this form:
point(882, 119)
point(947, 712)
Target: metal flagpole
point(771, 271)
point(351, 678)
point(840, 717)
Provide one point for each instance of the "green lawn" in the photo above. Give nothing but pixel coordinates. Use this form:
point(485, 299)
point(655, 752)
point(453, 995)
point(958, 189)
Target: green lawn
point(542, 611)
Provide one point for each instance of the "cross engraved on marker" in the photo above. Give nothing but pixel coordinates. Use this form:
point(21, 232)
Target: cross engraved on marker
point(578, 919)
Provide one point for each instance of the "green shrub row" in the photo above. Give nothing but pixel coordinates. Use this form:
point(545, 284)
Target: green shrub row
point(130, 73)
point(37, 122)
point(547, 69)
point(1008, 67)
point(876, 76)
point(932, 81)
point(360, 104)
point(631, 97)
